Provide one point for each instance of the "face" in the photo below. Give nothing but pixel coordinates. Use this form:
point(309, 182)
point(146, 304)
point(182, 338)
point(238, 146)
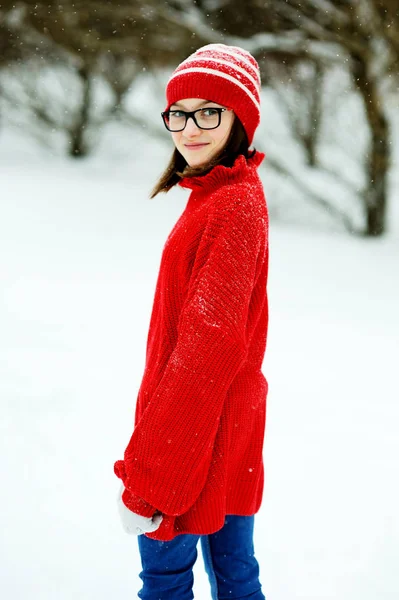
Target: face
point(199, 146)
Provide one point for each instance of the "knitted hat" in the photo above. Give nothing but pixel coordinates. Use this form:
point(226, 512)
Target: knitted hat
point(224, 74)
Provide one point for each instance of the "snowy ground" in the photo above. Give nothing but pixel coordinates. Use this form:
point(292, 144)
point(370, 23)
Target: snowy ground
point(80, 248)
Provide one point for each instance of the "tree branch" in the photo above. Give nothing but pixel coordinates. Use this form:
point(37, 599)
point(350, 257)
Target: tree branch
point(315, 198)
point(192, 19)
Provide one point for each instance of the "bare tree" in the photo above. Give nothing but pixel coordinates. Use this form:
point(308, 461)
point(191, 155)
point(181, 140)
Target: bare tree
point(298, 84)
point(117, 41)
point(366, 33)
point(119, 72)
point(93, 39)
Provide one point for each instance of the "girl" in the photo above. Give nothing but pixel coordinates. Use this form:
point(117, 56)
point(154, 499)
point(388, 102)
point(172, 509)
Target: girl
point(193, 467)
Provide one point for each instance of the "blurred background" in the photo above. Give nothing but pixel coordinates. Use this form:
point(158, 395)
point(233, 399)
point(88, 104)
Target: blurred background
point(330, 73)
point(81, 145)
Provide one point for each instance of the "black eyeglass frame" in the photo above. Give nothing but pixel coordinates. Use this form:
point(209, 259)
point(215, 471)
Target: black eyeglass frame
point(191, 114)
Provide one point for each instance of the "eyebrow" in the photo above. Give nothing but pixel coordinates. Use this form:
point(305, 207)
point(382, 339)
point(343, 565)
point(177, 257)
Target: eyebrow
point(200, 104)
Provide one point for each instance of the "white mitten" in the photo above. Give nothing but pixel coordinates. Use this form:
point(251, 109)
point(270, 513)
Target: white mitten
point(134, 523)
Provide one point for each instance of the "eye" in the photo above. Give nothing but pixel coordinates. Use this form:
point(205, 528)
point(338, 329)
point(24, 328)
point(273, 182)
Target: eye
point(209, 112)
point(176, 113)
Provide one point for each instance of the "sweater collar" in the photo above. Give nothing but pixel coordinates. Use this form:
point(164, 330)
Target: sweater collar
point(221, 175)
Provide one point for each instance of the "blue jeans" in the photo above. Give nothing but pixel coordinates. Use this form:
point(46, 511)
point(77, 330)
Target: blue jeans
point(229, 559)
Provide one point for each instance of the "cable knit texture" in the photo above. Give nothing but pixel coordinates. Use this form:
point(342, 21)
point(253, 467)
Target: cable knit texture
point(195, 453)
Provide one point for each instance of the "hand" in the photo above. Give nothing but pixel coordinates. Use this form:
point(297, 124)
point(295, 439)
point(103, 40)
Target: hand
point(133, 523)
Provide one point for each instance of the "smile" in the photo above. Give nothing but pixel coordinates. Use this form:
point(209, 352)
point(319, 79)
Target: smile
point(195, 146)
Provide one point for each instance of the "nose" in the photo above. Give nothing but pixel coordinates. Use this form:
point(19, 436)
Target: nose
point(191, 129)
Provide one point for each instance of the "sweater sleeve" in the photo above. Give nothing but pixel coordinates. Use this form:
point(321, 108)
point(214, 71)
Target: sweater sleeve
point(168, 457)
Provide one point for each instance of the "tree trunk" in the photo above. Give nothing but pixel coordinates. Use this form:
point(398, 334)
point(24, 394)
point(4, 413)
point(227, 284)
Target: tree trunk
point(314, 94)
point(78, 147)
point(117, 107)
point(378, 153)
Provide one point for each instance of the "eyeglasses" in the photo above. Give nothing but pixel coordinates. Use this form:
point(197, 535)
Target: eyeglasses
point(204, 118)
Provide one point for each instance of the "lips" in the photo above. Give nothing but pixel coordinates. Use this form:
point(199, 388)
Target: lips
point(195, 146)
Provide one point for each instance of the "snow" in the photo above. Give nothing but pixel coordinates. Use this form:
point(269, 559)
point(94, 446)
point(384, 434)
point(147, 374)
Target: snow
point(80, 248)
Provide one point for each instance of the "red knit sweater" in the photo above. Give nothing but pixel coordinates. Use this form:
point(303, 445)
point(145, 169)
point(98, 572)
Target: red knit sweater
point(196, 450)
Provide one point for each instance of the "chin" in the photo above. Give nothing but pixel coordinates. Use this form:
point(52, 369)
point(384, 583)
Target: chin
point(198, 162)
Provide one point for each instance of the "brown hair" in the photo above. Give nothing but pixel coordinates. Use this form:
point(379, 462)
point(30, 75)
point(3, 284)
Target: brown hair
point(177, 168)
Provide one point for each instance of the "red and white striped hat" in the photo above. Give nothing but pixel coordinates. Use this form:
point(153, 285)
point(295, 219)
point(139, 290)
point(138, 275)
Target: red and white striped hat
point(228, 75)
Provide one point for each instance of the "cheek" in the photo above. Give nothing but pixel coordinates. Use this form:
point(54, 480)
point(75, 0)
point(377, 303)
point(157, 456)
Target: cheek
point(176, 138)
point(222, 135)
